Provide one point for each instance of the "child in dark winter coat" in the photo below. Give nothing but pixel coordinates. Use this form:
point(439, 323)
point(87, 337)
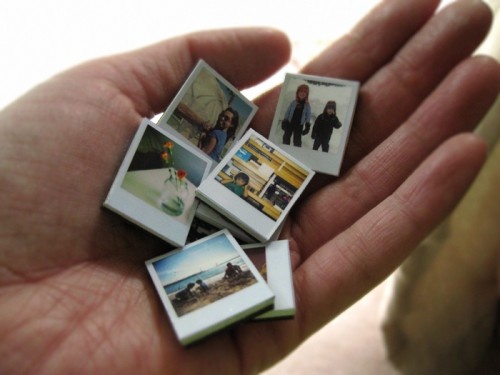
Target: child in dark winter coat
point(324, 125)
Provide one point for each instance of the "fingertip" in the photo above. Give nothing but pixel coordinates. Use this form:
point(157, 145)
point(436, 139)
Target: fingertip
point(460, 158)
point(472, 142)
point(490, 65)
point(153, 75)
point(257, 52)
point(475, 11)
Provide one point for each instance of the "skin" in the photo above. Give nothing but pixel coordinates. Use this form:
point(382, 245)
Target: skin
point(74, 293)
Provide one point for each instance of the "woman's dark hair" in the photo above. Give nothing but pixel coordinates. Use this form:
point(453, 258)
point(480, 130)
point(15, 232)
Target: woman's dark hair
point(235, 121)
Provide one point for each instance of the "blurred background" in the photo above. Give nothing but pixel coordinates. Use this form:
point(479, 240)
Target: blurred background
point(39, 39)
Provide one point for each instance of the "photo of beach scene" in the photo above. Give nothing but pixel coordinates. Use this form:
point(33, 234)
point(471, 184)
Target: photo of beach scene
point(202, 273)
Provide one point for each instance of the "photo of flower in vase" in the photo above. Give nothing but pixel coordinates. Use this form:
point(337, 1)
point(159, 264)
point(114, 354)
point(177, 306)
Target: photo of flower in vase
point(156, 184)
point(175, 192)
point(164, 173)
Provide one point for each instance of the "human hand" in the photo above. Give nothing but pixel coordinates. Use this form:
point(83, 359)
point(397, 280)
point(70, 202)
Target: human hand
point(75, 295)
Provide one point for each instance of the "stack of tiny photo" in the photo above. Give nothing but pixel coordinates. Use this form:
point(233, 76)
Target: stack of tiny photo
point(219, 193)
point(213, 283)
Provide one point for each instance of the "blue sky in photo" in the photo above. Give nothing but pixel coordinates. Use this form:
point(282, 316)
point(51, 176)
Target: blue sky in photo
point(192, 259)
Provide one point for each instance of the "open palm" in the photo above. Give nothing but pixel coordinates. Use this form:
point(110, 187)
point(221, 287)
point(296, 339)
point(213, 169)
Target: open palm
point(75, 295)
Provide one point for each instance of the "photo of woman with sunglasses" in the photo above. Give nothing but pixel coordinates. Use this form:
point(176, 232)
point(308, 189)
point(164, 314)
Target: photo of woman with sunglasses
point(213, 140)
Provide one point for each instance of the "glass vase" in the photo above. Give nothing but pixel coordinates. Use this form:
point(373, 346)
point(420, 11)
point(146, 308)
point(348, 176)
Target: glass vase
point(173, 195)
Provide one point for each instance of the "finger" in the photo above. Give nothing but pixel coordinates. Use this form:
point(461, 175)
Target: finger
point(457, 105)
point(362, 256)
point(153, 75)
point(448, 38)
point(392, 61)
point(125, 88)
point(373, 41)
point(364, 50)
point(99, 106)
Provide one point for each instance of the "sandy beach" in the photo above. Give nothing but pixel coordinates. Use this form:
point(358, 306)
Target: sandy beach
point(217, 290)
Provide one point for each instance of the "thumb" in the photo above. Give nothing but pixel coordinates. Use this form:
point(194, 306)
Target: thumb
point(151, 76)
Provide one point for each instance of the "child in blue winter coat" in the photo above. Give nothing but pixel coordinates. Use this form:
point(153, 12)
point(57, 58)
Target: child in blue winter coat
point(324, 125)
point(297, 115)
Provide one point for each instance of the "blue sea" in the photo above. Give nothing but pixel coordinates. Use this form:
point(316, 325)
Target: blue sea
point(210, 275)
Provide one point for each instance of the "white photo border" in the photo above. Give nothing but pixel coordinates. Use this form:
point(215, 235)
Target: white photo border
point(202, 64)
point(136, 210)
point(222, 313)
point(279, 278)
point(251, 219)
point(323, 162)
point(209, 215)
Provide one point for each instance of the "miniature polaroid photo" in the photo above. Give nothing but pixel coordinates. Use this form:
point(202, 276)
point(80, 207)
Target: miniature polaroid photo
point(209, 112)
point(274, 264)
point(155, 185)
point(208, 285)
point(255, 185)
point(211, 217)
point(200, 229)
point(313, 120)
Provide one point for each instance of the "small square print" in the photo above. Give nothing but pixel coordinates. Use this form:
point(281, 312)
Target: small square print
point(208, 285)
point(274, 264)
point(313, 119)
point(200, 229)
point(209, 112)
point(255, 185)
point(206, 216)
point(155, 185)
point(211, 217)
